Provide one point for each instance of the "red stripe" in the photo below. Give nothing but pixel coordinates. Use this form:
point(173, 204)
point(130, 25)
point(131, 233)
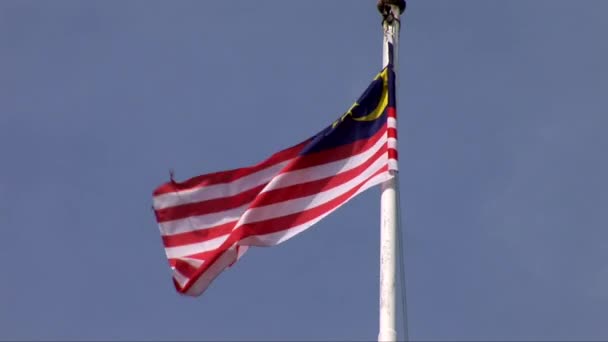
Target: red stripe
point(230, 175)
point(273, 226)
point(272, 197)
point(226, 203)
point(392, 132)
point(393, 154)
point(391, 112)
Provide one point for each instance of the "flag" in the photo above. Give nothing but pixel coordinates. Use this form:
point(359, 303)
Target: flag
point(208, 222)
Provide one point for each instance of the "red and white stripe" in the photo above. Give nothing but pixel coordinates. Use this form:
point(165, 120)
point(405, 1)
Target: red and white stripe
point(391, 122)
point(208, 222)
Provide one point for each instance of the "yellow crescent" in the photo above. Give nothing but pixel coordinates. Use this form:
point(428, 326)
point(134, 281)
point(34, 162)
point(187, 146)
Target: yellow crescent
point(377, 112)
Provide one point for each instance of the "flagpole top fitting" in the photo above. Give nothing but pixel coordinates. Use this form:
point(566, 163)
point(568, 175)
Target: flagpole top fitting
point(385, 7)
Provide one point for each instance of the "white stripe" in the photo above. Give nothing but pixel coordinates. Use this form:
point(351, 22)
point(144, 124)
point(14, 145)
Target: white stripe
point(393, 165)
point(194, 248)
point(392, 143)
point(284, 235)
point(325, 170)
point(391, 122)
point(207, 221)
point(218, 190)
point(303, 203)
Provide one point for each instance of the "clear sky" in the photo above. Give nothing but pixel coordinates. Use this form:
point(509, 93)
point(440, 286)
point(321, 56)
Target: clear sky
point(503, 112)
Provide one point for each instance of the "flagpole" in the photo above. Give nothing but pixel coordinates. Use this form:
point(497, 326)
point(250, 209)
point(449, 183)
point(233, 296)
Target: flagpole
point(389, 199)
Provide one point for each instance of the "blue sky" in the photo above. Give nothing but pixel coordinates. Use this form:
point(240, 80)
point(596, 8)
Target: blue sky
point(502, 110)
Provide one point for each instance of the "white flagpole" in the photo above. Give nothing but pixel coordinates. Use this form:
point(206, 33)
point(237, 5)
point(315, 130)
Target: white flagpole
point(389, 199)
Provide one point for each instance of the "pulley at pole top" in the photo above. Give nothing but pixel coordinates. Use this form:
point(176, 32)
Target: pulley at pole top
point(384, 7)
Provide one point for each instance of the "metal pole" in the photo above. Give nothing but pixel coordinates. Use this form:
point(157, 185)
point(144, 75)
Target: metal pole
point(389, 199)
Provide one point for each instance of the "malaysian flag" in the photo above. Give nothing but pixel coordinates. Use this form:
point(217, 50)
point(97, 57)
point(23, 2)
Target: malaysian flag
point(208, 222)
